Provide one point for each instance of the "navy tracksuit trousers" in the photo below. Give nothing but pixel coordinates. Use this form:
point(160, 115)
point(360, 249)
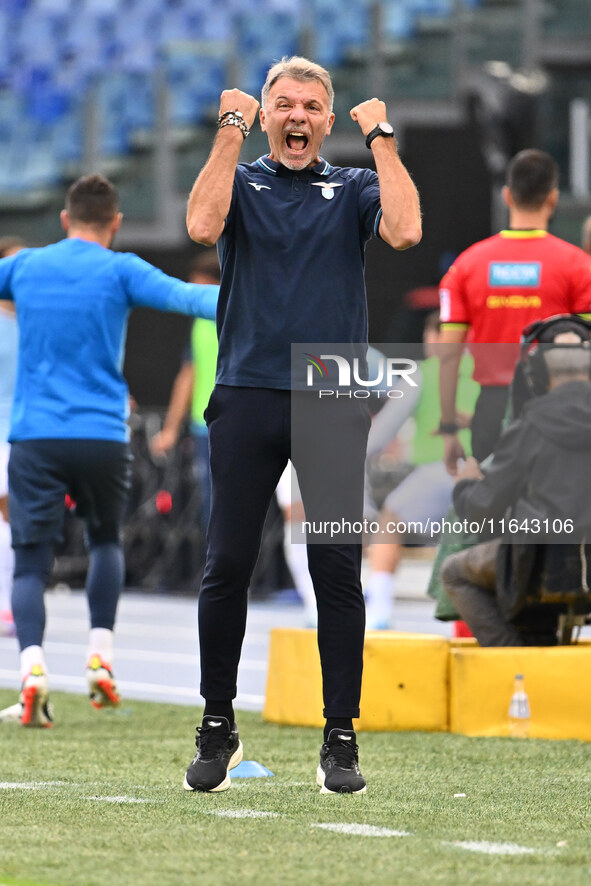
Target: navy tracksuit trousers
point(250, 434)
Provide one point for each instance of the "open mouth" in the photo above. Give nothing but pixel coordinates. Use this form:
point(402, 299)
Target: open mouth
point(296, 141)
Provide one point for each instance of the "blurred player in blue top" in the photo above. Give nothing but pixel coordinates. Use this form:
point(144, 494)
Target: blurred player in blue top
point(68, 429)
point(8, 349)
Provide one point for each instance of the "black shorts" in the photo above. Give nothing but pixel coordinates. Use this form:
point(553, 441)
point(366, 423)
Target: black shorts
point(95, 473)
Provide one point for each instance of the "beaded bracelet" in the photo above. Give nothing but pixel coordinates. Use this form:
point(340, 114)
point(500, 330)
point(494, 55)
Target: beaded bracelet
point(234, 118)
point(230, 114)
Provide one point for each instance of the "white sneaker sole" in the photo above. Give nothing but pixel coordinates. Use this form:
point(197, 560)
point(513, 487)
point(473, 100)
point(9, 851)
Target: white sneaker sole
point(235, 759)
point(11, 714)
point(320, 776)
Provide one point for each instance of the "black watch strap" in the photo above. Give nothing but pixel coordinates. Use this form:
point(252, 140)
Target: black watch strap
point(448, 427)
point(382, 129)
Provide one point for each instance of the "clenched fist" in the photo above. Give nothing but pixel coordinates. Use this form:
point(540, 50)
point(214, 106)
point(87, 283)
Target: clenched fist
point(368, 114)
point(236, 100)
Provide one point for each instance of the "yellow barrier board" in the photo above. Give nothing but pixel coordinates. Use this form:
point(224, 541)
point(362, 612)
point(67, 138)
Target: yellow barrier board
point(294, 681)
point(556, 682)
point(426, 682)
point(404, 687)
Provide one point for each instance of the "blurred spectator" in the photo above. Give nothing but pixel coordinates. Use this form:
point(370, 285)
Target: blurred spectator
point(192, 387)
point(289, 499)
point(426, 492)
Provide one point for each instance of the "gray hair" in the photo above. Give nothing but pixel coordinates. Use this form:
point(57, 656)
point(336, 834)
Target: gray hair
point(567, 360)
point(297, 68)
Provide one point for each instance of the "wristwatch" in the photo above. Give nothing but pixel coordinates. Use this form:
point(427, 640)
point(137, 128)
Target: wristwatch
point(448, 427)
point(386, 129)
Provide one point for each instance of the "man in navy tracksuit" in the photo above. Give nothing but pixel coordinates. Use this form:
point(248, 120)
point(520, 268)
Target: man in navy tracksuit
point(291, 232)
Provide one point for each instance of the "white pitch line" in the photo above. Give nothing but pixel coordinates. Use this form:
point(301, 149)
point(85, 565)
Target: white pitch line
point(31, 785)
point(360, 830)
point(490, 848)
point(244, 785)
point(122, 799)
point(242, 813)
point(357, 830)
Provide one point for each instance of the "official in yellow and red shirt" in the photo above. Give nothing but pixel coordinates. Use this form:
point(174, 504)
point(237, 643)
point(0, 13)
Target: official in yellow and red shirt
point(499, 285)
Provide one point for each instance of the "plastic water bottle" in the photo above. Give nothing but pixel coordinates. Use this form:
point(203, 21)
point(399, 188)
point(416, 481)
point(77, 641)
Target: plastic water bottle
point(519, 712)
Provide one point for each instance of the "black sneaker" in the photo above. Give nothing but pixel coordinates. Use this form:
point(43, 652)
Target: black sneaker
point(218, 749)
point(338, 771)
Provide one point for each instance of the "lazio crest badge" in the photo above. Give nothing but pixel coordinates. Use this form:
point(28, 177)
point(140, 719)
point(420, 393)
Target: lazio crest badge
point(328, 188)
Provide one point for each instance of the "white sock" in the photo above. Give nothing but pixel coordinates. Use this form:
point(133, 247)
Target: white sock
point(297, 560)
point(380, 594)
point(100, 642)
point(6, 566)
point(32, 655)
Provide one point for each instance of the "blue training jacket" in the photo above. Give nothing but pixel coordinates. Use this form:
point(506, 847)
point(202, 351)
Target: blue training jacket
point(73, 300)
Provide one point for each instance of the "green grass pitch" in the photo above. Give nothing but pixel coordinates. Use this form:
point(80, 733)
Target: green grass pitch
point(98, 801)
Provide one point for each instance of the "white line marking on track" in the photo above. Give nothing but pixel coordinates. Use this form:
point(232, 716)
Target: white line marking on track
point(11, 675)
point(185, 658)
point(360, 830)
point(172, 631)
point(490, 848)
point(64, 681)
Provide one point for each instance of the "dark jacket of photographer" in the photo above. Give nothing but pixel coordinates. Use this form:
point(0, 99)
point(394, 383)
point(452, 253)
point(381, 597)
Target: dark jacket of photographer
point(535, 490)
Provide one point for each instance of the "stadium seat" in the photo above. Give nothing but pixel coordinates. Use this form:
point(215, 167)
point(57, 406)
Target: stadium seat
point(55, 7)
point(28, 162)
point(68, 136)
point(100, 7)
point(195, 73)
point(255, 33)
point(115, 101)
point(56, 50)
point(397, 20)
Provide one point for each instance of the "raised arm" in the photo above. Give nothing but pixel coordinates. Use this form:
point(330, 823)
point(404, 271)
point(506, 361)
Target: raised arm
point(209, 201)
point(148, 287)
point(400, 225)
